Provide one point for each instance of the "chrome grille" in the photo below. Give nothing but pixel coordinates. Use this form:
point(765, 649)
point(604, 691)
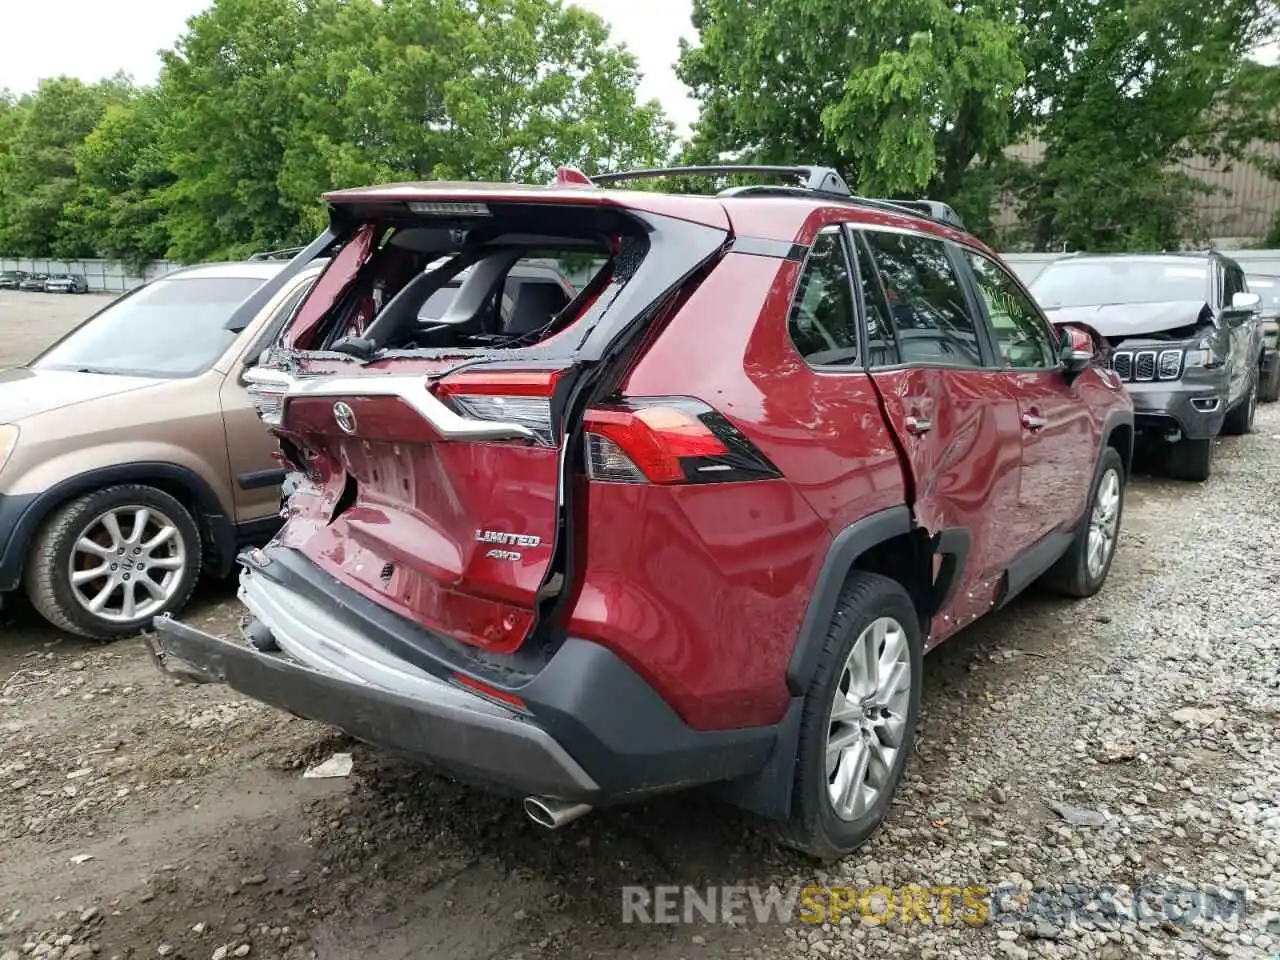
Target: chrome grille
point(1122, 364)
point(1145, 365)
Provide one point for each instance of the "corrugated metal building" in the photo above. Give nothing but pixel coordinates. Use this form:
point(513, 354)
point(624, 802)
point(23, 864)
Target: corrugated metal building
point(1242, 208)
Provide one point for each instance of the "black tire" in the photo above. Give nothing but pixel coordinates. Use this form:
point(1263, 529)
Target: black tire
point(47, 576)
point(1269, 388)
point(1071, 575)
point(1239, 421)
point(814, 826)
point(1190, 460)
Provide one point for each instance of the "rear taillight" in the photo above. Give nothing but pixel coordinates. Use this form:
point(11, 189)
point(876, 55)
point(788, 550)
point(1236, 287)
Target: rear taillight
point(669, 440)
point(511, 396)
point(266, 388)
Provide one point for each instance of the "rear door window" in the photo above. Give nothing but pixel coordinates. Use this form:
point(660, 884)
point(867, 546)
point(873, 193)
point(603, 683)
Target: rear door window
point(926, 300)
point(822, 321)
point(882, 345)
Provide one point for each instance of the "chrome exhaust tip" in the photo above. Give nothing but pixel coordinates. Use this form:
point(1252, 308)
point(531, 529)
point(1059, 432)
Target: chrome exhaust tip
point(552, 813)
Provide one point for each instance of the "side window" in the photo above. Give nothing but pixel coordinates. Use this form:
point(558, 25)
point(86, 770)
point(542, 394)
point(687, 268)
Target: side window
point(882, 346)
point(1022, 337)
point(1233, 283)
point(926, 300)
point(821, 322)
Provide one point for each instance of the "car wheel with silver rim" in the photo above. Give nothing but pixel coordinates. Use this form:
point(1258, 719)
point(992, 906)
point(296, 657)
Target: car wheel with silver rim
point(109, 562)
point(1104, 523)
point(859, 718)
point(1083, 569)
point(868, 717)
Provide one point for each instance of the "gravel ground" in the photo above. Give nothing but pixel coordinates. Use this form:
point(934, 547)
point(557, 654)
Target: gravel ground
point(142, 818)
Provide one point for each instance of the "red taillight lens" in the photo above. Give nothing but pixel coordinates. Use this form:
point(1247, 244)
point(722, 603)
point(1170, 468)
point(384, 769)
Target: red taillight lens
point(499, 383)
point(668, 441)
point(513, 396)
point(654, 439)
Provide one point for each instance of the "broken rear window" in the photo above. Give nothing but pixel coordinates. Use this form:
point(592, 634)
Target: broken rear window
point(508, 279)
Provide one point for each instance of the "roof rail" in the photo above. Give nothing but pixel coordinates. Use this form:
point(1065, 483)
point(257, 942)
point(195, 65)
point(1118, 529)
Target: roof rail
point(822, 180)
point(288, 254)
point(818, 179)
point(934, 209)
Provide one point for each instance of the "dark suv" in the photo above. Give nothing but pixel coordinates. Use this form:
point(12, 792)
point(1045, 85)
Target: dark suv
point(698, 526)
point(1185, 338)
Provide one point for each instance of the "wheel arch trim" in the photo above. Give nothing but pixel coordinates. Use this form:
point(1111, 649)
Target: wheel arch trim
point(210, 517)
point(1120, 419)
point(851, 543)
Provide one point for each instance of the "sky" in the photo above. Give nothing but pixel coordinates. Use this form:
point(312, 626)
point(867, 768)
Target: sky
point(91, 39)
point(95, 38)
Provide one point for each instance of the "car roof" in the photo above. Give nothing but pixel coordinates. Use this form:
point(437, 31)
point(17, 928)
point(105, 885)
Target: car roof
point(774, 213)
point(1172, 257)
point(242, 269)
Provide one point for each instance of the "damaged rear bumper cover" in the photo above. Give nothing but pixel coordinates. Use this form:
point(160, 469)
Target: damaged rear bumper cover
point(469, 740)
point(591, 731)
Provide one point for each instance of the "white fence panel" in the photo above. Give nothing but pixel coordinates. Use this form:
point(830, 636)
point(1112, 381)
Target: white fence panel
point(103, 276)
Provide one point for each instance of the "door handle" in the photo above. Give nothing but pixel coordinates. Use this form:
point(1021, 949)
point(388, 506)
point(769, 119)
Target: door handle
point(918, 426)
point(1033, 422)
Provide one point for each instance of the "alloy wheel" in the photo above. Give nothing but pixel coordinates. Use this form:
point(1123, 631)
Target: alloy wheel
point(1104, 523)
point(127, 564)
point(868, 719)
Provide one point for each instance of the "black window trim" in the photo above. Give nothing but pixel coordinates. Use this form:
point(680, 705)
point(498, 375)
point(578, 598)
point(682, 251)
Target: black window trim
point(990, 363)
point(976, 294)
point(859, 247)
point(856, 364)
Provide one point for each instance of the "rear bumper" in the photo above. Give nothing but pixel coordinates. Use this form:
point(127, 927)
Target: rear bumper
point(592, 730)
point(482, 742)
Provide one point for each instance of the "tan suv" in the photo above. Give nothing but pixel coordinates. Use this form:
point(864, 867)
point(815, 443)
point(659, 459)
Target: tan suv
point(132, 458)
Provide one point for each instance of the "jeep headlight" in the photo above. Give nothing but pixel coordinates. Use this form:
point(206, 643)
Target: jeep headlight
point(1204, 355)
point(8, 440)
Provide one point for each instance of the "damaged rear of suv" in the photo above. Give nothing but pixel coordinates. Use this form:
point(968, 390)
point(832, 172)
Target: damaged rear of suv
point(696, 526)
point(1185, 340)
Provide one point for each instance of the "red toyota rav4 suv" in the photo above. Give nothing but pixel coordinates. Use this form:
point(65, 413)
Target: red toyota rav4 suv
point(696, 526)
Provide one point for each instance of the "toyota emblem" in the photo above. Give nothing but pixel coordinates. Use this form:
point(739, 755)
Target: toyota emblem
point(344, 417)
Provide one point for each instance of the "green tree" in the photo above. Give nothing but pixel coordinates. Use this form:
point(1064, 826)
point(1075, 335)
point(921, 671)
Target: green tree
point(1120, 95)
point(38, 172)
point(272, 102)
point(122, 177)
point(485, 89)
point(900, 95)
point(230, 113)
